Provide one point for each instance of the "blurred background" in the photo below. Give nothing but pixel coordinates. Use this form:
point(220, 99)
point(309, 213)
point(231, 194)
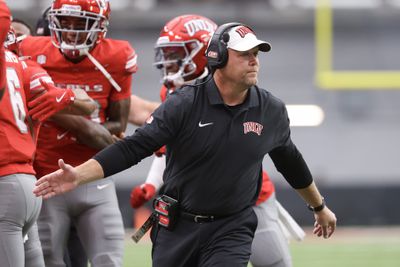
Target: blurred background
point(336, 60)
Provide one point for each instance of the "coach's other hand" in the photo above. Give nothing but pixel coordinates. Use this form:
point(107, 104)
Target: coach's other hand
point(141, 194)
point(63, 180)
point(325, 223)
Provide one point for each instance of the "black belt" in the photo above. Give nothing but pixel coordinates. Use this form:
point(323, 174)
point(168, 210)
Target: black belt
point(199, 218)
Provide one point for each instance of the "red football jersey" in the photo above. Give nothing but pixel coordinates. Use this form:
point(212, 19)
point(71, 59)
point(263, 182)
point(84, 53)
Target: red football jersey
point(16, 143)
point(117, 57)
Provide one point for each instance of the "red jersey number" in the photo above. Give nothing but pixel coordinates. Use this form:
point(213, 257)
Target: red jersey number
point(17, 102)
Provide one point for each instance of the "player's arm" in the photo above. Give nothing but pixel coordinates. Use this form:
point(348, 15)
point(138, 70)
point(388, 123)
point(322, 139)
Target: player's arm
point(87, 132)
point(117, 116)
point(140, 109)
point(52, 100)
point(120, 100)
point(83, 104)
point(46, 99)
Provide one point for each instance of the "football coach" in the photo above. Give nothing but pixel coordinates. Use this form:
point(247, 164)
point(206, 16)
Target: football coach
point(217, 133)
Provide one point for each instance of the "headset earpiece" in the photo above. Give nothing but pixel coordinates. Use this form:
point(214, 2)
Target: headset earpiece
point(217, 52)
point(225, 37)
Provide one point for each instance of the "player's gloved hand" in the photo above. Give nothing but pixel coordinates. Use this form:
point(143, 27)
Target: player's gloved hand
point(161, 151)
point(50, 102)
point(141, 194)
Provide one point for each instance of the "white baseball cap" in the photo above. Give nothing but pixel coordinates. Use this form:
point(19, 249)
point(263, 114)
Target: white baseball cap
point(242, 38)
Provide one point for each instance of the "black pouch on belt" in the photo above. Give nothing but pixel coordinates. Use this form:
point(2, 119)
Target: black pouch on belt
point(167, 210)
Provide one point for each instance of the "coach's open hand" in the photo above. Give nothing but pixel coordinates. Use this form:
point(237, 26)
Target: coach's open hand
point(67, 178)
point(63, 180)
point(325, 223)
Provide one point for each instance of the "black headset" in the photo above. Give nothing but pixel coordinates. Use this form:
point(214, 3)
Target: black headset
point(217, 51)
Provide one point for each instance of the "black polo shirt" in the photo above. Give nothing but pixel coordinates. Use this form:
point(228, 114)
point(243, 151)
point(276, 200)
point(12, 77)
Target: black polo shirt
point(214, 152)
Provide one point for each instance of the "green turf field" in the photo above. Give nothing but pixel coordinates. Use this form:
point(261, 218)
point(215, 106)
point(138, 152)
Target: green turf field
point(351, 247)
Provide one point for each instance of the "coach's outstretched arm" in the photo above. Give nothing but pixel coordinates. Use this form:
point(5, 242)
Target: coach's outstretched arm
point(289, 161)
point(67, 178)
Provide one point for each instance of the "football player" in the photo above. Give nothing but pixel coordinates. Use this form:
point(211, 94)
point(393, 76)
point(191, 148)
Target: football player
point(180, 55)
point(19, 208)
point(84, 130)
point(77, 55)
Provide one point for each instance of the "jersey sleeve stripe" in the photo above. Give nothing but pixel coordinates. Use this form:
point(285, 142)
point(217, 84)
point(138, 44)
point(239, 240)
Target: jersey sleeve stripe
point(35, 84)
point(131, 63)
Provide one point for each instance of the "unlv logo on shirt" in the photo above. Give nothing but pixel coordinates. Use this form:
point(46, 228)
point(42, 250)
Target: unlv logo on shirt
point(251, 126)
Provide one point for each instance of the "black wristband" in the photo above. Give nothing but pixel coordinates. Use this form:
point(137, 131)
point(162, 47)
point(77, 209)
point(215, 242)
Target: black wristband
point(318, 208)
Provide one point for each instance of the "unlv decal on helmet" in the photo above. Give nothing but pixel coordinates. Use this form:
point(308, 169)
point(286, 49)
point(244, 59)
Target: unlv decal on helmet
point(195, 25)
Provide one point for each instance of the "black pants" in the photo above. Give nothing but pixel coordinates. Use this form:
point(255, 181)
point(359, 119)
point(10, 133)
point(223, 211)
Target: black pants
point(224, 242)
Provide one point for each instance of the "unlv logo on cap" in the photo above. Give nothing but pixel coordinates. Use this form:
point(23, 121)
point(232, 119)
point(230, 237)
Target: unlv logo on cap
point(242, 31)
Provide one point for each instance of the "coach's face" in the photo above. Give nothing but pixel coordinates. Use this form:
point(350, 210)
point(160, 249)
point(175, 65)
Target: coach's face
point(242, 67)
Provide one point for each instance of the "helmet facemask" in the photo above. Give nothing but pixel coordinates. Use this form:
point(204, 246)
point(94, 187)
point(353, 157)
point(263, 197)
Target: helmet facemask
point(175, 60)
point(76, 32)
point(12, 41)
